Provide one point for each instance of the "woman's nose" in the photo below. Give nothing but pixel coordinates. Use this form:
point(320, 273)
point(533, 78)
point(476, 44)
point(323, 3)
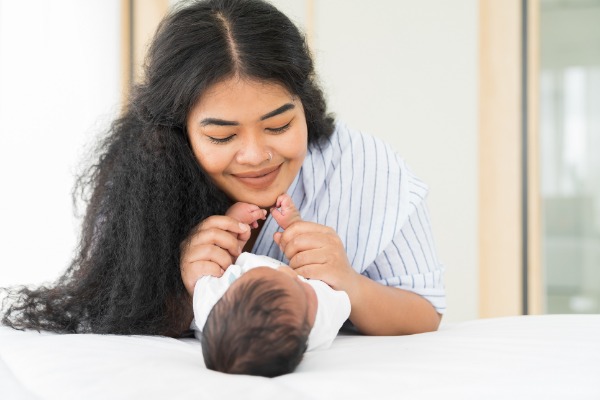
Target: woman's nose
point(253, 152)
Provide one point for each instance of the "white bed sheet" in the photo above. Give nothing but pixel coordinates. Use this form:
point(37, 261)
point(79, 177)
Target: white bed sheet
point(533, 357)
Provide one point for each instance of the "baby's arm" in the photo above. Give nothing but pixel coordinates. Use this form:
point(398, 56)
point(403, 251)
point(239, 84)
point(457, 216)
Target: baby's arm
point(285, 212)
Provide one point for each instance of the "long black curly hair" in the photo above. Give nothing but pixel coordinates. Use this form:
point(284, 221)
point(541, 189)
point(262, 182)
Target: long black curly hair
point(146, 192)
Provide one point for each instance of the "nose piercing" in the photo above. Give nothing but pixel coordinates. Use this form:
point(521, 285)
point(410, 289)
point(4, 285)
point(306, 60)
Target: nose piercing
point(270, 155)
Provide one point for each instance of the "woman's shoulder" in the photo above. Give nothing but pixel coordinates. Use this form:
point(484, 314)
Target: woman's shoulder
point(350, 145)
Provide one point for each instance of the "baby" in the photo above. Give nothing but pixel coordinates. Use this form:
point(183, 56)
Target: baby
point(261, 316)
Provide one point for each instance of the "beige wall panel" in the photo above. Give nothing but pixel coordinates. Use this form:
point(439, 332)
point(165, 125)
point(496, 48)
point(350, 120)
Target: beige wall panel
point(147, 14)
point(536, 291)
point(500, 238)
point(139, 20)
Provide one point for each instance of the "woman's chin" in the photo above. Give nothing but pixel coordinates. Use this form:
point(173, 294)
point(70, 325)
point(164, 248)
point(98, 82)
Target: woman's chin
point(265, 201)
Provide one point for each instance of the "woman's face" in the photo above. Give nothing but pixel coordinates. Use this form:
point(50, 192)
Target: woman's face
point(250, 137)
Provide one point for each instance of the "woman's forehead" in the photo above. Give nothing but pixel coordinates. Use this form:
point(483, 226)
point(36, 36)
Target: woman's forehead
point(240, 89)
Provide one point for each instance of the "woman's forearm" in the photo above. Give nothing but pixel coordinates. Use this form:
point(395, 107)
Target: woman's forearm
point(384, 310)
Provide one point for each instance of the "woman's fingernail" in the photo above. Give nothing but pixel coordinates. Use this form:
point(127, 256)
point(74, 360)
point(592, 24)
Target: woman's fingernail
point(243, 227)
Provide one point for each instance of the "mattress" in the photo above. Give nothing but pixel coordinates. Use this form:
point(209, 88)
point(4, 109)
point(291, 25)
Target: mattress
point(526, 357)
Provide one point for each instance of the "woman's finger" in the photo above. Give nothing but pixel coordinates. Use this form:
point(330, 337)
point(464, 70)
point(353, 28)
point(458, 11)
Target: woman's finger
point(223, 222)
point(208, 252)
point(312, 271)
point(207, 268)
point(308, 241)
point(305, 242)
point(217, 237)
point(191, 272)
point(307, 257)
point(301, 227)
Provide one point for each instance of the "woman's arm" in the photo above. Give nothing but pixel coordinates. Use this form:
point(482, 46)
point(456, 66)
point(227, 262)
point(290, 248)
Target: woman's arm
point(385, 310)
point(315, 251)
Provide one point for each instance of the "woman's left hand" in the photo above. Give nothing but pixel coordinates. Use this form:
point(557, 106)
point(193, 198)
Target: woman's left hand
point(315, 251)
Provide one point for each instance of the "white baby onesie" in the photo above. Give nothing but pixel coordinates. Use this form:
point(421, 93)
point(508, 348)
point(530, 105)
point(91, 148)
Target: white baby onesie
point(333, 306)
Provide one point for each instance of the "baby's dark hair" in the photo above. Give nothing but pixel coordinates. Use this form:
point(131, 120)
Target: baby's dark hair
point(252, 331)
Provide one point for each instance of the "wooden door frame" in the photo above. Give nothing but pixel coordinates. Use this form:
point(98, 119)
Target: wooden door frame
point(139, 20)
point(509, 205)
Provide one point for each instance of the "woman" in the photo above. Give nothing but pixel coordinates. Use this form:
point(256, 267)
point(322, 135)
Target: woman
point(230, 111)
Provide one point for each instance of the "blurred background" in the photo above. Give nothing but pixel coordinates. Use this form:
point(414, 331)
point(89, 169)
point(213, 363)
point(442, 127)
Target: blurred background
point(494, 103)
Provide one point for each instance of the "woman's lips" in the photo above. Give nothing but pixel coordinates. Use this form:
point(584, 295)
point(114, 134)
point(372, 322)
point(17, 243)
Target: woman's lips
point(259, 179)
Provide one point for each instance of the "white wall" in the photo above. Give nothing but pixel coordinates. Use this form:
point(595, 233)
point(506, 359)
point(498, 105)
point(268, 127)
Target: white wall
point(402, 70)
point(59, 87)
point(406, 71)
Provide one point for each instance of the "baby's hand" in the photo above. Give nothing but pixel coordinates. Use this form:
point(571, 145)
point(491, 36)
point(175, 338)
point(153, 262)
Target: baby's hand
point(246, 213)
point(285, 212)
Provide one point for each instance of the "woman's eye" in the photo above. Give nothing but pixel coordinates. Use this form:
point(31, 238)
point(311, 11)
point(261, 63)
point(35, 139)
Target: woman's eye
point(220, 140)
point(280, 129)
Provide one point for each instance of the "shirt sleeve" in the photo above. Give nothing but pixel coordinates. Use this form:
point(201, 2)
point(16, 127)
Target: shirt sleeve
point(410, 261)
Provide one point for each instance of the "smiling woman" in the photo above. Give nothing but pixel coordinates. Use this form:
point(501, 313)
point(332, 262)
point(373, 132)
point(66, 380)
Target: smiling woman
point(229, 111)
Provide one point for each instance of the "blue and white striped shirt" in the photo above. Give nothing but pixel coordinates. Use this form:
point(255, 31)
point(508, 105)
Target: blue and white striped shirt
point(358, 185)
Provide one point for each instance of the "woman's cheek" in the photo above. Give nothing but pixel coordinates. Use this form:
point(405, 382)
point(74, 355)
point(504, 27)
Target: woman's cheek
point(294, 146)
point(213, 162)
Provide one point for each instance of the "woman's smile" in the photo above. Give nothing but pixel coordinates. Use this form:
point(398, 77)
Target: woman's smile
point(261, 179)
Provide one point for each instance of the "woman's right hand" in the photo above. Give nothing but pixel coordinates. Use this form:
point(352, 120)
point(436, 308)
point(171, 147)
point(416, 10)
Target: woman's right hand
point(210, 249)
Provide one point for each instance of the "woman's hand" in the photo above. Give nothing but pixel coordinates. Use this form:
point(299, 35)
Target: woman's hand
point(211, 249)
point(315, 251)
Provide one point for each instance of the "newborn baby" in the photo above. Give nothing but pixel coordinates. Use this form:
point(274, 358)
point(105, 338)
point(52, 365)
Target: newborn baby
point(261, 316)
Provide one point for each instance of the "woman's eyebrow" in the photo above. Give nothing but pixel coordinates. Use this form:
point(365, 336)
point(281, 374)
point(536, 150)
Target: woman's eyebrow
point(280, 110)
point(218, 122)
point(222, 122)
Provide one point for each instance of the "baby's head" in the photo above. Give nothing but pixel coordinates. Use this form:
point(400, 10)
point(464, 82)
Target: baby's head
point(261, 324)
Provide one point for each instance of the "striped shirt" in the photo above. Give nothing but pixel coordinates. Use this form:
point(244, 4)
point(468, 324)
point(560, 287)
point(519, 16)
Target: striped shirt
point(358, 185)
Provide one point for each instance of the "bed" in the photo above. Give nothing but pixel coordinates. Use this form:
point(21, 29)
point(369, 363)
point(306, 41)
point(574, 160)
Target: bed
point(527, 357)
